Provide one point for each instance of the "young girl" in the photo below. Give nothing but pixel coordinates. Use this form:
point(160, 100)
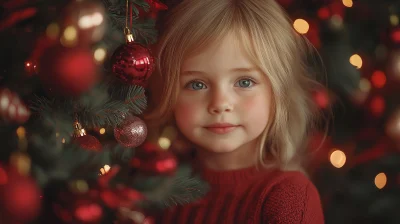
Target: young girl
point(232, 78)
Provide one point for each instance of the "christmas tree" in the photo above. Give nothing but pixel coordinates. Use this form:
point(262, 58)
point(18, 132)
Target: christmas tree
point(74, 148)
point(356, 169)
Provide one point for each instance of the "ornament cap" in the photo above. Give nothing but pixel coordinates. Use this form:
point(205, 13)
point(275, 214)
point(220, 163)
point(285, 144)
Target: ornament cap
point(129, 38)
point(79, 131)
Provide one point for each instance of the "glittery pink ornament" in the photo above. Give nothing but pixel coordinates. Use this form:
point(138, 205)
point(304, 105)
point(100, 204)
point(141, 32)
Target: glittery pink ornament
point(131, 132)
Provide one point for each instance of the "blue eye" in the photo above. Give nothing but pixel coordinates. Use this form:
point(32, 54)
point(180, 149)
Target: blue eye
point(245, 83)
point(196, 85)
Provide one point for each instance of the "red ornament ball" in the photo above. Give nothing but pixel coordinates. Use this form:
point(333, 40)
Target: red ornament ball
point(12, 109)
point(132, 132)
point(20, 197)
point(132, 63)
point(68, 71)
point(88, 142)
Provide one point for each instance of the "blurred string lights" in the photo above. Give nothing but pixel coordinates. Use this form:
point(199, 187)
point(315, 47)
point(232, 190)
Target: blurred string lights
point(338, 159)
point(83, 22)
point(377, 79)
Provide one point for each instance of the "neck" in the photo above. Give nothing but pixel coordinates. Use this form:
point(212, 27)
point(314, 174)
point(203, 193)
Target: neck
point(237, 159)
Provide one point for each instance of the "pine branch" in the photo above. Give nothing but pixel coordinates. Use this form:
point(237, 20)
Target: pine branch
point(145, 32)
point(133, 96)
point(178, 190)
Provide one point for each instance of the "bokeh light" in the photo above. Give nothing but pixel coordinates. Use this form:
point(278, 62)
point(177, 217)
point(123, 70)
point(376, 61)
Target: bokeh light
point(53, 30)
point(100, 54)
point(378, 79)
point(365, 85)
point(377, 105)
point(394, 20)
point(356, 60)
point(301, 26)
point(338, 158)
point(380, 180)
point(102, 131)
point(105, 169)
point(164, 142)
point(348, 3)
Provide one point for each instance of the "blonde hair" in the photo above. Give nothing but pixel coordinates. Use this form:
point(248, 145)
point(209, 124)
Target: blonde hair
point(267, 35)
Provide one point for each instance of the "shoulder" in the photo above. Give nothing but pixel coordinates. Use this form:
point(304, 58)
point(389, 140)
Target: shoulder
point(292, 198)
point(289, 185)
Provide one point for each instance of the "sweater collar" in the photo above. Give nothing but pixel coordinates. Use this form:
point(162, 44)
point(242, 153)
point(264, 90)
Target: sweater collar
point(228, 177)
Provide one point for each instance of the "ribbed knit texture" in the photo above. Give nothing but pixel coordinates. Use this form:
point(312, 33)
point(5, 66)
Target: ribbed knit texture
point(248, 196)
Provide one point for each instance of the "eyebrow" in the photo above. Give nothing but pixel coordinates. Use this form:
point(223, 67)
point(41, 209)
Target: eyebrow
point(250, 69)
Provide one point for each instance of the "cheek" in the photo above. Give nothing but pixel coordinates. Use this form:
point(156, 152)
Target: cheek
point(185, 111)
point(258, 107)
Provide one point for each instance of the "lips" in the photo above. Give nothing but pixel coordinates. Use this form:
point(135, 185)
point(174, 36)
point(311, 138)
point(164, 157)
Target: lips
point(221, 128)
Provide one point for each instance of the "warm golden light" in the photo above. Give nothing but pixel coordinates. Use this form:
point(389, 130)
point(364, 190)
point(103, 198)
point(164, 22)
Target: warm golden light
point(100, 54)
point(365, 85)
point(380, 180)
point(105, 169)
point(70, 33)
point(348, 3)
point(69, 37)
point(338, 158)
point(22, 162)
point(63, 140)
point(102, 131)
point(164, 142)
point(356, 60)
point(53, 30)
point(336, 22)
point(79, 186)
point(301, 26)
point(21, 132)
point(394, 20)
point(90, 21)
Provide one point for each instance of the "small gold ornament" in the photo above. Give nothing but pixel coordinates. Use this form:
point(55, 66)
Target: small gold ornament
point(79, 131)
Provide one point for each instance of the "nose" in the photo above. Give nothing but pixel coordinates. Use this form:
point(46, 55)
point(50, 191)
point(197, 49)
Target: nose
point(220, 102)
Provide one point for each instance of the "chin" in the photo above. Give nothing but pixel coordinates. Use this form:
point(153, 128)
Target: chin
point(218, 148)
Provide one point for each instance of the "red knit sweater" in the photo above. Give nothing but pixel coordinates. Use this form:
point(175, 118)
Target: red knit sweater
point(249, 196)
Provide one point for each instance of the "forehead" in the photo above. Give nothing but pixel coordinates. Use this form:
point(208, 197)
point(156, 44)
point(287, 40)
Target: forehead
point(226, 53)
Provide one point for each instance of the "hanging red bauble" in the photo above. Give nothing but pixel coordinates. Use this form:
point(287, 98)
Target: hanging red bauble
point(12, 109)
point(87, 17)
point(68, 71)
point(152, 160)
point(132, 132)
point(132, 63)
point(84, 140)
point(20, 197)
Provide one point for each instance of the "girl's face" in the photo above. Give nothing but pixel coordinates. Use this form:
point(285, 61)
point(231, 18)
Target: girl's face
point(224, 101)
